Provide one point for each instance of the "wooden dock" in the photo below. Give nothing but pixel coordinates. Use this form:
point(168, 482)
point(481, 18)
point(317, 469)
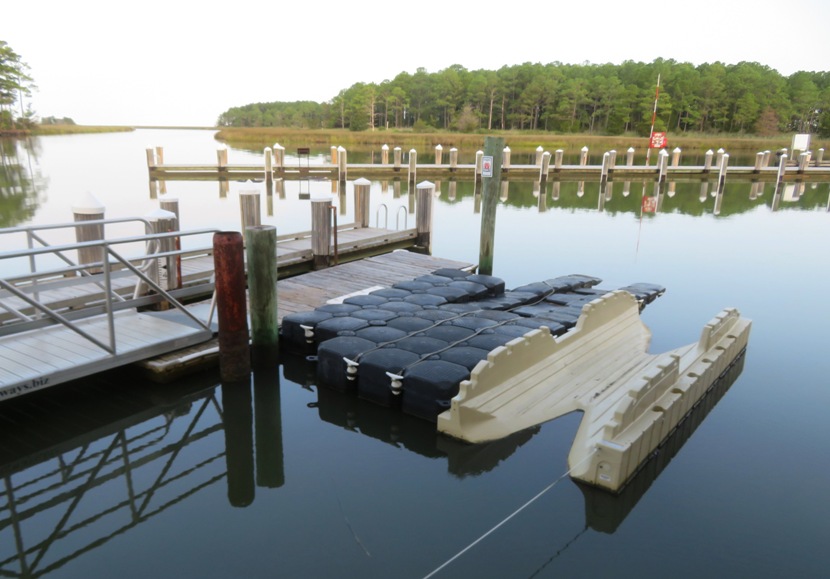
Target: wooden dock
point(306, 292)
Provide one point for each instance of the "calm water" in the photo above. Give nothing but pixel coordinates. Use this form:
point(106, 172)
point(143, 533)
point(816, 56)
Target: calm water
point(286, 480)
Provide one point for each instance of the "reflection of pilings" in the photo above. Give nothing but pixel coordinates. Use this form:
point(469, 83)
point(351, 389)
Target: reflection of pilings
point(453, 188)
point(605, 512)
point(270, 468)
point(543, 197)
point(237, 417)
point(280, 188)
point(504, 193)
point(704, 191)
point(555, 192)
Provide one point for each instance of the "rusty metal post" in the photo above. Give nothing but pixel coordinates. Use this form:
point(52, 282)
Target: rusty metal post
point(229, 266)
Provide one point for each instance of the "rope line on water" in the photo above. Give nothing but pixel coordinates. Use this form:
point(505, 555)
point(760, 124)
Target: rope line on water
point(508, 517)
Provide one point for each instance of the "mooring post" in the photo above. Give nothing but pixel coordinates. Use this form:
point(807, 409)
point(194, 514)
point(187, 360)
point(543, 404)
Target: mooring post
point(545, 168)
point(606, 165)
point(453, 159)
point(268, 160)
point(540, 150)
point(505, 159)
point(559, 154)
point(424, 193)
point(361, 202)
point(170, 223)
point(384, 154)
point(439, 154)
point(719, 156)
point(724, 164)
point(229, 268)
point(612, 163)
point(413, 164)
point(320, 232)
point(629, 157)
point(334, 155)
point(819, 157)
point(479, 157)
point(222, 158)
point(767, 155)
point(89, 208)
point(491, 178)
point(151, 157)
point(249, 209)
point(583, 155)
point(396, 156)
point(803, 161)
point(707, 162)
point(261, 251)
point(782, 170)
point(342, 164)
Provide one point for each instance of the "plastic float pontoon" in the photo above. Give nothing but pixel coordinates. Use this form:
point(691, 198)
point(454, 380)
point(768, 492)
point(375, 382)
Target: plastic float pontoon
point(484, 363)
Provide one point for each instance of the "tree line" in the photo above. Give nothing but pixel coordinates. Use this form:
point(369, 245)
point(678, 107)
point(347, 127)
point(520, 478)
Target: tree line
point(15, 84)
point(607, 99)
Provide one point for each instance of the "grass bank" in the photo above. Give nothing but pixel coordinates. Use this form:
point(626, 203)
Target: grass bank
point(255, 138)
point(75, 129)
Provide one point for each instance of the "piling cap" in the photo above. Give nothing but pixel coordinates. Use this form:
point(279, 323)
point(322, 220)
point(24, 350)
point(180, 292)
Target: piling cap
point(585, 148)
point(385, 147)
point(540, 148)
point(340, 149)
point(630, 149)
point(439, 147)
point(159, 214)
point(88, 205)
point(362, 181)
point(425, 185)
point(506, 149)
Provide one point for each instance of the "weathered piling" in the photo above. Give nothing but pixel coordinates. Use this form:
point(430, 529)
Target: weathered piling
point(559, 154)
point(479, 157)
point(397, 158)
point(539, 152)
point(151, 158)
point(707, 160)
point(165, 221)
point(384, 155)
point(767, 155)
point(662, 165)
point(320, 232)
point(268, 159)
point(413, 165)
point(718, 156)
point(261, 252)
point(724, 164)
point(782, 169)
point(439, 154)
point(249, 209)
point(505, 163)
point(89, 209)
point(491, 177)
point(361, 202)
point(759, 162)
point(229, 268)
point(545, 167)
point(629, 157)
point(222, 158)
point(342, 164)
point(333, 155)
point(453, 159)
point(819, 157)
point(803, 161)
point(424, 193)
point(583, 155)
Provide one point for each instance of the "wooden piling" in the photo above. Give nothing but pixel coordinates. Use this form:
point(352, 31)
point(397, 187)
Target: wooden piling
point(759, 161)
point(320, 232)
point(333, 155)
point(222, 158)
point(89, 209)
point(724, 164)
point(782, 170)
point(803, 161)
point(342, 164)
point(629, 157)
point(662, 165)
point(249, 209)
point(479, 156)
point(559, 155)
point(819, 157)
point(583, 155)
point(397, 154)
point(539, 152)
point(493, 147)
point(612, 163)
point(718, 156)
point(453, 159)
point(767, 155)
point(505, 159)
point(151, 158)
point(384, 155)
point(423, 217)
point(229, 267)
point(261, 252)
point(413, 164)
point(166, 220)
point(268, 159)
point(707, 163)
point(361, 202)
point(545, 168)
point(439, 154)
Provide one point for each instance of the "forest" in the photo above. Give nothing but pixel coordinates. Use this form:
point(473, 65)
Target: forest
point(603, 99)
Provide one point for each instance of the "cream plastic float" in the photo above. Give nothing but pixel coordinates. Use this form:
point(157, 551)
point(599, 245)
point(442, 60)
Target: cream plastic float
point(632, 400)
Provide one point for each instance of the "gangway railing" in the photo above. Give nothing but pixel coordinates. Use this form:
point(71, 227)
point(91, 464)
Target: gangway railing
point(17, 286)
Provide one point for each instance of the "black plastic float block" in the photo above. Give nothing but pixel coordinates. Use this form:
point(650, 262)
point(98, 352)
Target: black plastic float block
point(373, 382)
point(332, 369)
point(293, 334)
point(430, 385)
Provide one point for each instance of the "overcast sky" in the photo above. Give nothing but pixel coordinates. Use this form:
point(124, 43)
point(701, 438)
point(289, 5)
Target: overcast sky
point(183, 62)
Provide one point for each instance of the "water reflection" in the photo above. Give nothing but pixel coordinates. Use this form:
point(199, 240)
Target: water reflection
point(21, 185)
point(90, 462)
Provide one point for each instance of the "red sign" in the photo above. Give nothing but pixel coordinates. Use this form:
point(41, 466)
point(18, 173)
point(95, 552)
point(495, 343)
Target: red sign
point(649, 204)
point(658, 141)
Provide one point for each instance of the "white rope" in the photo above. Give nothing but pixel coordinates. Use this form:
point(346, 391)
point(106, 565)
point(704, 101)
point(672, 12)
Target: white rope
point(510, 516)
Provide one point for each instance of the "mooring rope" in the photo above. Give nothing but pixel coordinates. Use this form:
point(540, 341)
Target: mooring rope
point(508, 517)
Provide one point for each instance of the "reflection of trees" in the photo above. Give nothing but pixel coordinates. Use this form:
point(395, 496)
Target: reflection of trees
point(20, 186)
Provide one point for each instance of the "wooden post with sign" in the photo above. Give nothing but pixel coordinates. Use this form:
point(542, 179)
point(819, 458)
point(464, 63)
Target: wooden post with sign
point(490, 177)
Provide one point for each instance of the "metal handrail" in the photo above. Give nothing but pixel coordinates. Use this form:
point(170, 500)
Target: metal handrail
point(385, 215)
point(405, 218)
point(107, 275)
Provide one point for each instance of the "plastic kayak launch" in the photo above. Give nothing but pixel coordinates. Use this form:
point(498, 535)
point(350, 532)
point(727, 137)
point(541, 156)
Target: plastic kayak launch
point(483, 363)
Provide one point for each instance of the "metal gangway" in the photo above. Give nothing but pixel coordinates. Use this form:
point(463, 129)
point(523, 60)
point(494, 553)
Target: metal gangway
point(98, 312)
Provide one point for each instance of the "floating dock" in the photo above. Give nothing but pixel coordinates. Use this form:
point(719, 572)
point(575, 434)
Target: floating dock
point(483, 363)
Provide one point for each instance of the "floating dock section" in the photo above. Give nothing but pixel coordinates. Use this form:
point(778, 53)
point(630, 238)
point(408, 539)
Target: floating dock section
point(455, 348)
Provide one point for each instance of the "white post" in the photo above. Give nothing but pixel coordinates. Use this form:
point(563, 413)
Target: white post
point(583, 155)
point(629, 156)
point(439, 154)
point(539, 152)
point(505, 160)
point(413, 164)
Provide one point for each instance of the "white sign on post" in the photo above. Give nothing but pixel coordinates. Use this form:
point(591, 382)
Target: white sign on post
point(487, 166)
